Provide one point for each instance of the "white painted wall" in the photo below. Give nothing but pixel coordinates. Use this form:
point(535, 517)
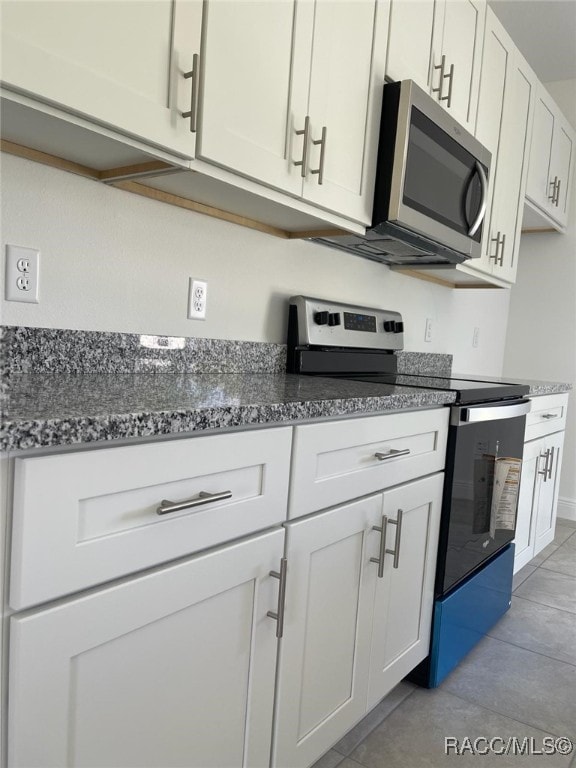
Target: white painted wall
point(118, 262)
point(541, 339)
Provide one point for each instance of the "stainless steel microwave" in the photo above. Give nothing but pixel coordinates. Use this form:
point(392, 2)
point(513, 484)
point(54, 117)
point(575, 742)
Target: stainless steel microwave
point(431, 186)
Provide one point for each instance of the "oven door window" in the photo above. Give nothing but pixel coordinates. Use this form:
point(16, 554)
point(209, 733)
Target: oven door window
point(481, 494)
point(441, 178)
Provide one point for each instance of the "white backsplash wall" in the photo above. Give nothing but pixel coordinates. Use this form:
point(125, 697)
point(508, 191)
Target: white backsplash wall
point(114, 261)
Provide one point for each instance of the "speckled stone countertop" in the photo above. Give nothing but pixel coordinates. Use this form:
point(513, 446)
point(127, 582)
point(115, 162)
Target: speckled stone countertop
point(65, 387)
point(51, 410)
point(536, 387)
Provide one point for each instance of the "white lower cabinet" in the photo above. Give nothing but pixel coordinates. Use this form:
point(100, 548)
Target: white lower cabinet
point(539, 485)
point(174, 668)
point(357, 615)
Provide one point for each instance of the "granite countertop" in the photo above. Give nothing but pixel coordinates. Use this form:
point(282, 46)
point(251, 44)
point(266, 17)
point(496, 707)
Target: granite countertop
point(65, 387)
point(49, 410)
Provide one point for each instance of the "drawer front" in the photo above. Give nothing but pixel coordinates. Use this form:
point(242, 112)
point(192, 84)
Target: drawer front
point(338, 461)
point(81, 519)
point(548, 415)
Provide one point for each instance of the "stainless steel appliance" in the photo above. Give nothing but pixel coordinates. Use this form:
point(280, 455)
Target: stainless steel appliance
point(431, 186)
point(482, 472)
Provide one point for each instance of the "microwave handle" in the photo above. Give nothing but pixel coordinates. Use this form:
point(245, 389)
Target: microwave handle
point(482, 212)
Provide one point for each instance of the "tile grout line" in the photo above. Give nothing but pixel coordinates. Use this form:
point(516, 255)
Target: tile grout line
point(546, 605)
point(509, 717)
point(531, 650)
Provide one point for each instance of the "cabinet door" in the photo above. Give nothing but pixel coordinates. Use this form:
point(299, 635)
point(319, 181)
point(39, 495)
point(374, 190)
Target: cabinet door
point(537, 187)
point(87, 59)
point(340, 81)
point(172, 668)
point(547, 500)
point(251, 106)
point(525, 517)
point(495, 71)
point(405, 594)
point(324, 654)
point(462, 45)
point(560, 168)
point(410, 41)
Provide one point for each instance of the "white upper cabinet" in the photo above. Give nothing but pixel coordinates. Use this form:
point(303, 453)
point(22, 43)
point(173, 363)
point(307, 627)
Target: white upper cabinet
point(439, 45)
point(121, 64)
point(247, 109)
point(503, 120)
point(551, 159)
point(286, 97)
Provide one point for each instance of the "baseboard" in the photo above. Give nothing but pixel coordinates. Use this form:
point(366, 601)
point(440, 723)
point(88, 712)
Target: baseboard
point(567, 508)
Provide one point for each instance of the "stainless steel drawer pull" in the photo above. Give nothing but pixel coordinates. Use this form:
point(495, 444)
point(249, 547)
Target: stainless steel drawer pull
point(396, 550)
point(320, 169)
point(548, 415)
point(448, 99)
point(502, 246)
point(382, 551)
point(203, 498)
point(497, 241)
point(278, 615)
point(553, 184)
point(194, 94)
point(304, 132)
point(392, 453)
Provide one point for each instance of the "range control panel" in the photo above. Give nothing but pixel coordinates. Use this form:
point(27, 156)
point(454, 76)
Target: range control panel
point(331, 324)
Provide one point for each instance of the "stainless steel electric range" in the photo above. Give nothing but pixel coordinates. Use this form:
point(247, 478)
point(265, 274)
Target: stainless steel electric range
point(483, 461)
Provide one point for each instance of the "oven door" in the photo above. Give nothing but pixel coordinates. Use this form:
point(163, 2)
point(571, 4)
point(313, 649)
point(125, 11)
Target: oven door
point(482, 482)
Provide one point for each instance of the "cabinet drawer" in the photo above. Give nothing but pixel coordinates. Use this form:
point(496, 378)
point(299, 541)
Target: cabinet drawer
point(342, 460)
point(548, 415)
point(81, 519)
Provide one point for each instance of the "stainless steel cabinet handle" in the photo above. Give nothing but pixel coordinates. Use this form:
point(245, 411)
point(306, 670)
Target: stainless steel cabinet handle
point(278, 615)
point(482, 212)
point(548, 416)
point(551, 464)
point(382, 551)
point(502, 247)
point(304, 132)
point(545, 470)
point(203, 498)
point(194, 94)
point(497, 241)
point(553, 184)
point(320, 169)
point(397, 540)
point(441, 67)
point(392, 453)
point(448, 99)
point(557, 200)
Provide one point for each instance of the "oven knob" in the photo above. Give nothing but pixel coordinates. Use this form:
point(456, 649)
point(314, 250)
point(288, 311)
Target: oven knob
point(398, 327)
point(321, 318)
point(389, 326)
point(334, 318)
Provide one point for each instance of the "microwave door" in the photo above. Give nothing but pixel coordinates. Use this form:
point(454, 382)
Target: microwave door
point(443, 187)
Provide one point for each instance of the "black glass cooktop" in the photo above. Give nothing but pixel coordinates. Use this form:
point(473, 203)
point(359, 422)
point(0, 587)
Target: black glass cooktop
point(469, 390)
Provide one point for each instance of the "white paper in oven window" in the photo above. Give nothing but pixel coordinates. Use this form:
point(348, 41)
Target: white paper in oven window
point(505, 494)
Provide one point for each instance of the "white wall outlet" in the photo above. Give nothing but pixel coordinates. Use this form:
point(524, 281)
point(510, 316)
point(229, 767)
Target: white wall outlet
point(475, 337)
point(428, 333)
point(22, 274)
point(197, 297)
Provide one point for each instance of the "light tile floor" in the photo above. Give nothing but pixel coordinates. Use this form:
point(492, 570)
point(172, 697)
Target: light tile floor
point(520, 681)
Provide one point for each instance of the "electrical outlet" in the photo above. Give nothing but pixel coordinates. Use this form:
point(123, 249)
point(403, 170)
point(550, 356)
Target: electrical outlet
point(475, 337)
point(22, 274)
point(428, 332)
point(197, 297)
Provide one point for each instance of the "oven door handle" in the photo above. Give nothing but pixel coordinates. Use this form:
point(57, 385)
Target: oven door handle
point(482, 212)
point(492, 412)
